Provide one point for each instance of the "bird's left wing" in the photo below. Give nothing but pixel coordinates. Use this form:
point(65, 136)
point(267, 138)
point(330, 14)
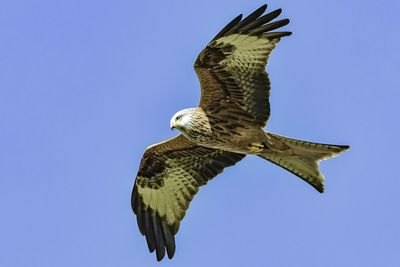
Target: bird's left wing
point(232, 66)
point(170, 174)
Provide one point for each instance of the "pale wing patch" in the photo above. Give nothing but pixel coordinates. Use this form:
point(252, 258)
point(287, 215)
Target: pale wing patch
point(251, 52)
point(172, 199)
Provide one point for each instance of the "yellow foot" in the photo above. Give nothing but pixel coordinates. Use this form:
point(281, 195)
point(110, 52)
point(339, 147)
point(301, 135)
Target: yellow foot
point(255, 147)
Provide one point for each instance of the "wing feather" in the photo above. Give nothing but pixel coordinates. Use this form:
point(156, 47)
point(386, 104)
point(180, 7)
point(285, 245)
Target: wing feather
point(169, 176)
point(271, 26)
point(250, 18)
point(262, 20)
point(235, 21)
point(232, 66)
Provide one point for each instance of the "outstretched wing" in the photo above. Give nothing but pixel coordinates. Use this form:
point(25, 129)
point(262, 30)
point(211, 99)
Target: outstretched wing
point(232, 66)
point(170, 174)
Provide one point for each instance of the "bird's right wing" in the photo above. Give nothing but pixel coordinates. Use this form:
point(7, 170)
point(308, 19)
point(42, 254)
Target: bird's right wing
point(170, 174)
point(232, 66)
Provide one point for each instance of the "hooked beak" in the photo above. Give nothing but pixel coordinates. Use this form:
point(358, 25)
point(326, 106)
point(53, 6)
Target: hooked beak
point(172, 125)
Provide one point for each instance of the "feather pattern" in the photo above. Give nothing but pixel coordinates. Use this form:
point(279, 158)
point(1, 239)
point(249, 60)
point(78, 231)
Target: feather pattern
point(169, 176)
point(234, 100)
point(232, 66)
point(226, 126)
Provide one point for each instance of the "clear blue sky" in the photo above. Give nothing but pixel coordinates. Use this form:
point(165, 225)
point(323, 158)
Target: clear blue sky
point(86, 86)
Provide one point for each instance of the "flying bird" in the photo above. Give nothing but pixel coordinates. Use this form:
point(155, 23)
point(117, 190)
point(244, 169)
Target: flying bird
point(225, 127)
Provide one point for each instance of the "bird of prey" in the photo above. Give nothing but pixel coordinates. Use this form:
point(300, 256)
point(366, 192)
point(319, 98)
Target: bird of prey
point(225, 127)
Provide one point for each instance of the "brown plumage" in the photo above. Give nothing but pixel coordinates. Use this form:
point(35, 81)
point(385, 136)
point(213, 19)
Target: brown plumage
point(225, 127)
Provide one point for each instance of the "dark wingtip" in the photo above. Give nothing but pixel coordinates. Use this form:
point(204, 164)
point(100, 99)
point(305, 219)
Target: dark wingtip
point(342, 148)
point(159, 235)
point(229, 26)
point(273, 35)
point(345, 147)
point(320, 189)
point(160, 255)
point(171, 255)
point(261, 8)
point(169, 239)
point(283, 22)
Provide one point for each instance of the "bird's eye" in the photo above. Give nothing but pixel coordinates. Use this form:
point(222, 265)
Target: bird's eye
point(178, 117)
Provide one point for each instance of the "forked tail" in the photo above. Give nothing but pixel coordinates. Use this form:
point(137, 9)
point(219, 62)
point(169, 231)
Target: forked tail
point(301, 158)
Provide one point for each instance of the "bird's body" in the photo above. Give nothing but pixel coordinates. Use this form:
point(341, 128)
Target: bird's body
point(227, 125)
point(220, 130)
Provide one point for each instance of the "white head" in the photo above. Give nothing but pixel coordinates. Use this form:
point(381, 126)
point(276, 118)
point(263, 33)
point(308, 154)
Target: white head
point(192, 123)
point(183, 119)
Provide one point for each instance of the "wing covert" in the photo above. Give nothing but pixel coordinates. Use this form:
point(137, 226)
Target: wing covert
point(169, 176)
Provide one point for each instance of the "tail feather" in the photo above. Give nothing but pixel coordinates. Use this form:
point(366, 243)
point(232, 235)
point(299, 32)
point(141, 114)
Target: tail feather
point(301, 157)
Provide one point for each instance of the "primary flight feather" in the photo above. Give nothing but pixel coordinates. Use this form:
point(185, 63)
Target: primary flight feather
point(225, 127)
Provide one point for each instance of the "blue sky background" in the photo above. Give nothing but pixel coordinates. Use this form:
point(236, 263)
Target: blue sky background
point(86, 86)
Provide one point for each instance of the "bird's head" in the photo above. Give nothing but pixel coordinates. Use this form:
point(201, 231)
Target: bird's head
point(182, 119)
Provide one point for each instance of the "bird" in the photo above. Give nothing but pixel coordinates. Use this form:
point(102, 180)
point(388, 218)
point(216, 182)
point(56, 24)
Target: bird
point(227, 125)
